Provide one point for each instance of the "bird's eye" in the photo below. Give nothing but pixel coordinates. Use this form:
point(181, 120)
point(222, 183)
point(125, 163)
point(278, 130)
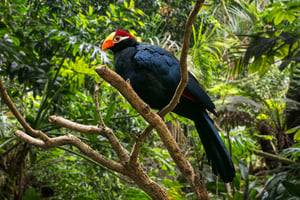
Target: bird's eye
point(117, 39)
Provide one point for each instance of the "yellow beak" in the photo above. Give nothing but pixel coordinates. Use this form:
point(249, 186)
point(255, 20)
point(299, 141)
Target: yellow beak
point(108, 42)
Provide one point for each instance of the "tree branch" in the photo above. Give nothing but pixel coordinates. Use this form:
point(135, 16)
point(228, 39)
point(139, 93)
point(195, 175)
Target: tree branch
point(180, 88)
point(135, 172)
point(183, 59)
point(156, 121)
point(104, 131)
point(138, 145)
point(17, 114)
point(47, 142)
point(96, 97)
point(73, 140)
point(132, 169)
point(273, 157)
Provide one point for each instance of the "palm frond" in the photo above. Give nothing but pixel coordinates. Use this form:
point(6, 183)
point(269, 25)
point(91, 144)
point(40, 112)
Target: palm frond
point(292, 153)
point(244, 100)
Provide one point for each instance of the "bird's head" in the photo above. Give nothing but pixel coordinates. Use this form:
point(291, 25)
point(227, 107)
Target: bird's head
point(118, 40)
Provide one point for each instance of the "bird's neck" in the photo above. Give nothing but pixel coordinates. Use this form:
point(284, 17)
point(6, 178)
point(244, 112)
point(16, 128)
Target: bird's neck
point(123, 61)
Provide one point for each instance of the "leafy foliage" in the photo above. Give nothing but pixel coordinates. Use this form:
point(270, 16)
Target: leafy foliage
point(48, 51)
point(280, 39)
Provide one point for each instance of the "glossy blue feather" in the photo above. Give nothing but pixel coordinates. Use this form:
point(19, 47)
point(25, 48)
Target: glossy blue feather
point(154, 74)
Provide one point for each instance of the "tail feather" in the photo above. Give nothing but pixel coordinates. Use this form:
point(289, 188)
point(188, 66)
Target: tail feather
point(215, 148)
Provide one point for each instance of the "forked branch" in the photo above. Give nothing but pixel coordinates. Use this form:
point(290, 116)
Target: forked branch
point(157, 122)
point(40, 139)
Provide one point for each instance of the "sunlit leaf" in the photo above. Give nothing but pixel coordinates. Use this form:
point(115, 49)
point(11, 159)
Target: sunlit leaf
point(91, 10)
point(125, 4)
point(279, 17)
point(15, 40)
point(293, 130)
point(131, 4)
point(297, 136)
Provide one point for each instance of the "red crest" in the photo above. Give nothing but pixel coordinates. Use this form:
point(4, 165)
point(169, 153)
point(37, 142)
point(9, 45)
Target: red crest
point(122, 33)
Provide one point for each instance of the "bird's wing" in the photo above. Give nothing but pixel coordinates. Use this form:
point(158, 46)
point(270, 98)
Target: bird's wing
point(159, 62)
point(166, 68)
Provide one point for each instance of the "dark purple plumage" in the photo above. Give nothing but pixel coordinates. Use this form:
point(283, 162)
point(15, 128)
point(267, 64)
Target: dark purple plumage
point(154, 74)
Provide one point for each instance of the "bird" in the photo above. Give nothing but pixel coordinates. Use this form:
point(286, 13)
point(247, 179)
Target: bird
point(154, 74)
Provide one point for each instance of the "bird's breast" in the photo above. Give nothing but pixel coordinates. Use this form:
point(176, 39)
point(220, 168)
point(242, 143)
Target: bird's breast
point(151, 81)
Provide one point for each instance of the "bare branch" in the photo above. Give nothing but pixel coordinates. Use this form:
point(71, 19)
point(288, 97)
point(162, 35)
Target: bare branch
point(68, 139)
point(18, 115)
point(73, 140)
point(183, 60)
point(138, 144)
point(104, 131)
point(27, 138)
point(86, 129)
point(156, 121)
point(96, 97)
point(133, 170)
point(180, 88)
point(273, 157)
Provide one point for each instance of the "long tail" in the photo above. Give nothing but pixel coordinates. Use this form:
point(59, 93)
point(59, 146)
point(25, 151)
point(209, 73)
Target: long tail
point(215, 149)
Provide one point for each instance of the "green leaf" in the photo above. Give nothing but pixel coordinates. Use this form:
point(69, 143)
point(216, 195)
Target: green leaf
point(297, 136)
point(211, 186)
point(290, 17)
point(90, 10)
point(131, 4)
point(254, 67)
point(31, 194)
point(3, 31)
point(15, 40)
point(139, 11)
point(110, 112)
point(278, 18)
point(141, 23)
point(126, 4)
point(112, 8)
point(135, 194)
point(296, 131)
point(93, 138)
point(266, 137)
point(293, 130)
point(292, 188)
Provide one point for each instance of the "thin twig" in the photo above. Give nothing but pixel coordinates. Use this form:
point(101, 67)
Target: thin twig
point(88, 129)
point(180, 88)
point(96, 97)
point(157, 122)
point(73, 140)
point(48, 142)
point(183, 59)
point(138, 144)
point(273, 157)
point(18, 115)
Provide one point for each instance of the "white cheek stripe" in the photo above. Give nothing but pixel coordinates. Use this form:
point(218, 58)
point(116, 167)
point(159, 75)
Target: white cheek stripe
point(123, 38)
